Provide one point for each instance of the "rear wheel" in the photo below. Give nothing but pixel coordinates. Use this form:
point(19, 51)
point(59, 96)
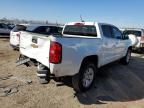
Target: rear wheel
point(85, 78)
point(126, 59)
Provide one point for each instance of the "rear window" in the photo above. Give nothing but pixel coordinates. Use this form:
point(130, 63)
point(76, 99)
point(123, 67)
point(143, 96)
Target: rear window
point(134, 32)
point(46, 30)
point(82, 30)
point(18, 28)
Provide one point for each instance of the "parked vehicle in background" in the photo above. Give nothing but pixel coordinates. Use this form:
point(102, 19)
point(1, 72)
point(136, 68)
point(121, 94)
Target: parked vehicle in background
point(4, 30)
point(45, 29)
point(33, 28)
point(136, 35)
point(11, 26)
point(15, 35)
point(82, 48)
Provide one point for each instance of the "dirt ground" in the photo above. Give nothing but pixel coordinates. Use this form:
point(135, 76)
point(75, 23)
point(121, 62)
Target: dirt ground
point(117, 86)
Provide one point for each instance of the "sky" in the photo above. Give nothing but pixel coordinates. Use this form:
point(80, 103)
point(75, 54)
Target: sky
point(123, 13)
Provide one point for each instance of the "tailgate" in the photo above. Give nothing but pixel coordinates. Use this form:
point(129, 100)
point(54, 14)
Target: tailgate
point(35, 46)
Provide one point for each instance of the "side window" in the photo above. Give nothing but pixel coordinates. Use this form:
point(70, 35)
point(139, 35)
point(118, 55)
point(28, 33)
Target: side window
point(18, 28)
point(60, 30)
point(40, 29)
point(4, 26)
point(46, 30)
point(0, 26)
point(116, 33)
point(54, 30)
point(107, 32)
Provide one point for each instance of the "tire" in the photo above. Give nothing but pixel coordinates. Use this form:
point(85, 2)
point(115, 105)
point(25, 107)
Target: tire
point(81, 81)
point(126, 59)
point(43, 70)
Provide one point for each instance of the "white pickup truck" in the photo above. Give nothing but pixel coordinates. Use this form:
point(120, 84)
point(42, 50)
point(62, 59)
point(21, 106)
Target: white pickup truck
point(79, 51)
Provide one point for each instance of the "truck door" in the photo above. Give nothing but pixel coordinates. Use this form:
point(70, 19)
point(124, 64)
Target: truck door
point(109, 45)
point(119, 46)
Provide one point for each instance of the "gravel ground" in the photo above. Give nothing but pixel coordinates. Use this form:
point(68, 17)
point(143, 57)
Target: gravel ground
point(117, 86)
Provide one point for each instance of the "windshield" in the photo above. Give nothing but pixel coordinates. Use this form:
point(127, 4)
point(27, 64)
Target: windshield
point(46, 30)
point(82, 30)
point(18, 28)
point(134, 32)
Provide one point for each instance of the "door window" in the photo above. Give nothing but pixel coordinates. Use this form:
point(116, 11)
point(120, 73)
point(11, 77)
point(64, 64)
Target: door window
point(107, 32)
point(116, 33)
point(1, 26)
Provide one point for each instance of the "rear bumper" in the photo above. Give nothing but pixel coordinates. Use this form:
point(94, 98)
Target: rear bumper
point(58, 70)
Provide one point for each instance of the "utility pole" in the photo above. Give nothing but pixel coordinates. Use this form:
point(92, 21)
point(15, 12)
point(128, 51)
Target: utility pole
point(81, 19)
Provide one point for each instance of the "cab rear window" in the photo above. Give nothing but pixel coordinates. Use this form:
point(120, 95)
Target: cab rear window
point(81, 30)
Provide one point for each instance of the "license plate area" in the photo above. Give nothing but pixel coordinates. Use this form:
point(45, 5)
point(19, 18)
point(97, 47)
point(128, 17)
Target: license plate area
point(34, 45)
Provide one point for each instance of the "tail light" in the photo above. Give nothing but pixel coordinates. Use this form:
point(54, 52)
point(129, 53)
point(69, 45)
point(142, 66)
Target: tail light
point(18, 36)
point(55, 54)
point(79, 24)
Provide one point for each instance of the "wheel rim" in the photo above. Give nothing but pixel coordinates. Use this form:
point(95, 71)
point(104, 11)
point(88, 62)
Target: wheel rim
point(88, 77)
point(128, 56)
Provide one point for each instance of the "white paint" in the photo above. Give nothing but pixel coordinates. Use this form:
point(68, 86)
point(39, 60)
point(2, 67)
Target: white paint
point(74, 50)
